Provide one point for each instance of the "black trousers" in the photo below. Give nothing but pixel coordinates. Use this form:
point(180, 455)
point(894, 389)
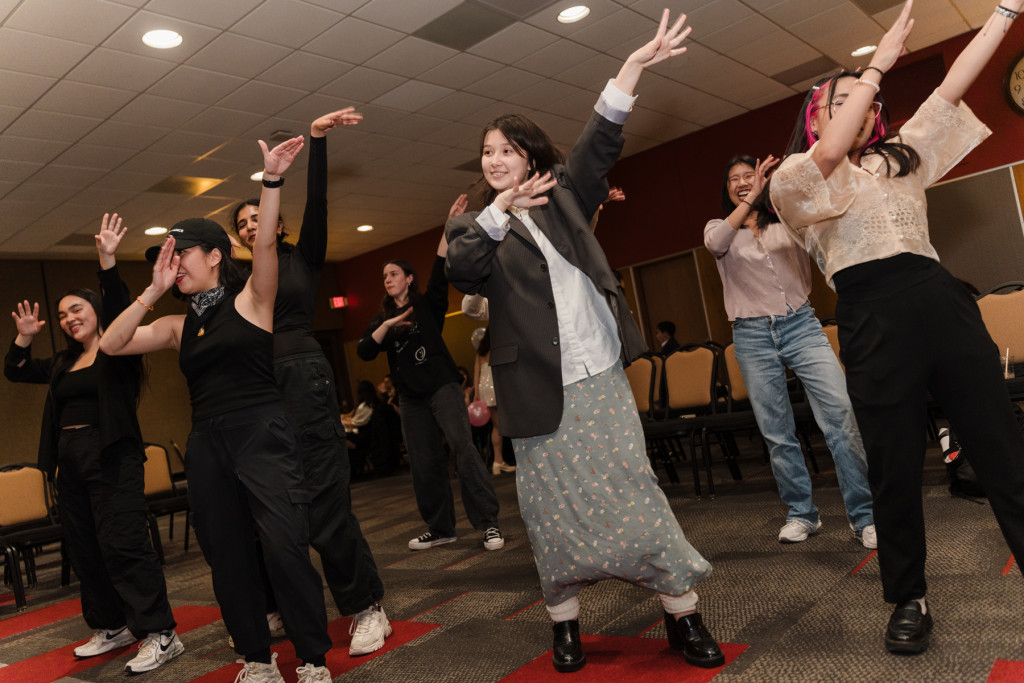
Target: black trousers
point(103, 512)
point(307, 382)
point(907, 328)
point(245, 477)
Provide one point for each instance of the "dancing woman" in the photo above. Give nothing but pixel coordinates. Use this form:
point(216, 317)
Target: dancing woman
point(854, 193)
point(767, 278)
point(242, 460)
point(560, 330)
point(91, 439)
point(307, 385)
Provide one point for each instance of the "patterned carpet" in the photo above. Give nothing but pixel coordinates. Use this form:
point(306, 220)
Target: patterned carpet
point(806, 612)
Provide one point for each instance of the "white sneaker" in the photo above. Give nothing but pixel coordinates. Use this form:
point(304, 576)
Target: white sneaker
point(868, 537)
point(368, 630)
point(105, 641)
point(274, 623)
point(313, 674)
point(258, 672)
point(796, 530)
point(493, 539)
point(429, 540)
point(156, 649)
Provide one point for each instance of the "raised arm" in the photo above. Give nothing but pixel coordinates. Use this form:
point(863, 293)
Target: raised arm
point(312, 242)
point(108, 239)
point(255, 302)
point(835, 142)
point(113, 290)
point(975, 56)
point(664, 45)
point(125, 337)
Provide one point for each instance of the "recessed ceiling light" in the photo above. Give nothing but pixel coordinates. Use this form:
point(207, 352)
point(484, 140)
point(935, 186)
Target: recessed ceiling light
point(365, 228)
point(257, 176)
point(571, 15)
point(861, 51)
point(162, 39)
point(155, 231)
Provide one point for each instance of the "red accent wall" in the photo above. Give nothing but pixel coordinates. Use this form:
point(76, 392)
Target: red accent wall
point(673, 189)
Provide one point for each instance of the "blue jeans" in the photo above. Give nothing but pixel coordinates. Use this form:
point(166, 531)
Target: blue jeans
point(765, 347)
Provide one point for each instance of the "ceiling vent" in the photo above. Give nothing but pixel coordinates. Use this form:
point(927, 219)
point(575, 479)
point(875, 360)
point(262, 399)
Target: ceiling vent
point(464, 26)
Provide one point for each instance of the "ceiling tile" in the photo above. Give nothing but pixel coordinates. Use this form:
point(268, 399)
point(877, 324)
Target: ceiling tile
point(404, 15)
point(133, 181)
point(238, 55)
point(87, 21)
point(735, 36)
point(35, 191)
point(38, 54)
point(189, 143)
point(119, 70)
point(8, 115)
point(789, 12)
point(976, 12)
point(83, 99)
point(546, 18)
point(48, 125)
point(615, 28)
point(16, 171)
point(286, 22)
point(227, 123)
point(545, 94)
point(30, 149)
point(95, 156)
point(128, 38)
point(513, 43)
point(262, 98)
point(21, 90)
point(504, 84)
point(456, 105)
point(591, 74)
point(6, 6)
point(125, 135)
point(362, 85)
point(353, 40)
point(553, 59)
point(460, 71)
point(158, 111)
point(305, 71)
point(412, 96)
point(196, 85)
point(220, 14)
point(657, 126)
point(309, 108)
point(410, 57)
point(774, 52)
point(716, 16)
point(838, 31)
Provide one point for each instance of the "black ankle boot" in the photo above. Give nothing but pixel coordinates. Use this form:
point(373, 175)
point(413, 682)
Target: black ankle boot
point(568, 655)
point(689, 634)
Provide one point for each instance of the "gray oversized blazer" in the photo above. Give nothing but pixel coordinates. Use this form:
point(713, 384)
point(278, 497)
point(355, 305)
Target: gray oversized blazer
point(513, 275)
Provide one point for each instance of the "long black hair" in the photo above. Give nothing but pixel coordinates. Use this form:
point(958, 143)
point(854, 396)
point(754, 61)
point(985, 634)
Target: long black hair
point(65, 358)
point(727, 203)
point(896, 155)
point(526, 138)
point(282, 246)
point(366, 393)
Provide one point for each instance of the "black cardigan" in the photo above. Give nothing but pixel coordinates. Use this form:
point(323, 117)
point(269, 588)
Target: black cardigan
point(118, 389)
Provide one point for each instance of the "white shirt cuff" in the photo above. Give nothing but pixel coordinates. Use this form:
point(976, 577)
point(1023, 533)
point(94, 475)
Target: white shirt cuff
point(614, 104)
point(494, 222)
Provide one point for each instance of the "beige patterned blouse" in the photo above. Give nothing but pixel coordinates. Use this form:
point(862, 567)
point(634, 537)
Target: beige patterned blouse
point(860, 214)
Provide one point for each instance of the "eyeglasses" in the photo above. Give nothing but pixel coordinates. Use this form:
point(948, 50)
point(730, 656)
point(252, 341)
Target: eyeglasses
point(876, 106)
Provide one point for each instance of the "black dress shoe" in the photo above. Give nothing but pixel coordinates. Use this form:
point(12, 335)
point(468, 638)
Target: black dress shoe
point(908, 629)
point(690, 635)
point(568, 655)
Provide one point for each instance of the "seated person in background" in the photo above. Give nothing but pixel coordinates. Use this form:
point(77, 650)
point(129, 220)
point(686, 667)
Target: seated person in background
point(665, 335)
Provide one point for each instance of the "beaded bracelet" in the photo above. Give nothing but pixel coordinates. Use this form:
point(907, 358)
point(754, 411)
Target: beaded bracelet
point(1006, 12)
point(877, 87)
point(144, 304)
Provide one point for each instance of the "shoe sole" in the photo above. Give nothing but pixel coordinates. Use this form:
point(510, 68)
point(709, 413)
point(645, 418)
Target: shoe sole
point(569, 668)
point(376, 646)
point(489, 545)
point(177, 651)
point(432, 544)
point(903, 647)
point(705, 663)
point(109, 649)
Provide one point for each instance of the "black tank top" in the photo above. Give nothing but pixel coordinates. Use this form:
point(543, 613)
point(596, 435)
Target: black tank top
point(227, 361)
point(77, 397)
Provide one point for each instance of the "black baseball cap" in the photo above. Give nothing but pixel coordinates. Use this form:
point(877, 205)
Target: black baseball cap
point(193, 231)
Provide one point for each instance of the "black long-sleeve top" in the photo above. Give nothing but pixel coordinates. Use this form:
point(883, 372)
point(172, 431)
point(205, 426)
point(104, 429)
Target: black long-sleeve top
point(299, 268)
point(419, 360)
point(118, 382)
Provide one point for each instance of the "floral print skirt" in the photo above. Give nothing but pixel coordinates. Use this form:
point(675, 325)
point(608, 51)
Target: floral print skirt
point(591, 501)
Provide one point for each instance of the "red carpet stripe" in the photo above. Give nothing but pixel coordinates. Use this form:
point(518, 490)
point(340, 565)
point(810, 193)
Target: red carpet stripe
point(637, 660)
point(62, 662)
point(482, 552)
point(1009, 566)
point(7, 598)
point(338, 659)
point(517, 613)
point(866, 560)
point(441, 603)
point(40, 617)
point(1005, 671)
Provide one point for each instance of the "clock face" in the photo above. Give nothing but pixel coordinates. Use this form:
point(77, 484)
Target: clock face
point(1015, 84)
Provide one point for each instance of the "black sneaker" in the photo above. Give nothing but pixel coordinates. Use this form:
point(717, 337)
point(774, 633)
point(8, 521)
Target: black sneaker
point(493, 539)
point(429, 540)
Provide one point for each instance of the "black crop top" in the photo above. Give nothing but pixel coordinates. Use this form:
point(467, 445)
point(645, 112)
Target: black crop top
point(227, 361)
point(77, 397)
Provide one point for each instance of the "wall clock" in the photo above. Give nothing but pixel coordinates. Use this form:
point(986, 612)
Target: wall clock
point(1014, 85)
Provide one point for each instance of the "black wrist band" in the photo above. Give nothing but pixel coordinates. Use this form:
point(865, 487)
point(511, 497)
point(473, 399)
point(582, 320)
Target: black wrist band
point(874, 68)
point(273, 183)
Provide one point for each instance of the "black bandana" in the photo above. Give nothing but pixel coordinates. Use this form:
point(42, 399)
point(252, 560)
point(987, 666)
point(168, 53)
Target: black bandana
point(203, 300)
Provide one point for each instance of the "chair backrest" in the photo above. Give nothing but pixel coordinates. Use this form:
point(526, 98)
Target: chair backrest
point(1004, 317)
point(22, 496)
point(737, 387)
point(832, 332)
point(689, 378)
point(659, 380)
point(640, 374)
point(158, 471)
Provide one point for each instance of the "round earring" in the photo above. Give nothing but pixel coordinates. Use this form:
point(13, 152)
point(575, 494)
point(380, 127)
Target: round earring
point(814, 133)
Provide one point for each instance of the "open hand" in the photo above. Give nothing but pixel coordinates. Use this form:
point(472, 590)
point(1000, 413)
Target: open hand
point(276, 161)
point(165, 270)
point(459, 207)
point(760, 172)
point(891, 46)
point(343, 117)
point(665, 43)
point(27, 319)
point(400, 319)
point(524, 195)
point(110, 234)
